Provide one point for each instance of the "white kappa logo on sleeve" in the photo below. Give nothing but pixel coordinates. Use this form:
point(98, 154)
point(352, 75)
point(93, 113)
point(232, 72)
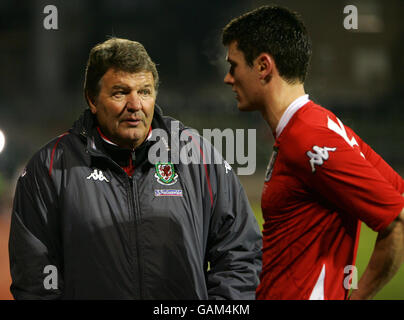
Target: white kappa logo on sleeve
point(227, 166)
point(97, 175)
point(318, 156)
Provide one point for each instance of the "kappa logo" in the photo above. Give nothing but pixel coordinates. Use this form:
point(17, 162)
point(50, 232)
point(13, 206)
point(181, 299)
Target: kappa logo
point(97, 175)
point(318, 156)
point(227, 166)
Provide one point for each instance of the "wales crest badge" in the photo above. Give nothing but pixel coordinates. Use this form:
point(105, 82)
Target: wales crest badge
point(165, 173)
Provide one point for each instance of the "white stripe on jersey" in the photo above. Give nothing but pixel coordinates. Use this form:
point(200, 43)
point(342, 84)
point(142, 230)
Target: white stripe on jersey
point(318, 291)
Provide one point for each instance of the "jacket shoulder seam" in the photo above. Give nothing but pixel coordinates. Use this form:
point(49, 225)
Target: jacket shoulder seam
point(54, 150)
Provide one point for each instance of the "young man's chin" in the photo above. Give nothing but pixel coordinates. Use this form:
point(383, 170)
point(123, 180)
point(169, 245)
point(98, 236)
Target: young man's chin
point(245, 107)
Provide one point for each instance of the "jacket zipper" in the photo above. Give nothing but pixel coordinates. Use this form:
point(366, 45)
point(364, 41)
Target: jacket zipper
point(133, 201)
point(134, 207)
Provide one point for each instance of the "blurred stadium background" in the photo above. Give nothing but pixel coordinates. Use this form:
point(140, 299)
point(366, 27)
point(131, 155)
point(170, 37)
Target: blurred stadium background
point(358, 74)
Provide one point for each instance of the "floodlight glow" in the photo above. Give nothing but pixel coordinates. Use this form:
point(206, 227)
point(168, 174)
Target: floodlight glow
point(2, 141)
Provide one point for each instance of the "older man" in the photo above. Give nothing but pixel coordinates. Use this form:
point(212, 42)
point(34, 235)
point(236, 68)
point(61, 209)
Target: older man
point(93, 218)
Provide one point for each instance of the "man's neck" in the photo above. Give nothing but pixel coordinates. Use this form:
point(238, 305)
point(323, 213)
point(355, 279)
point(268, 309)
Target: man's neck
point(132, 147)
point(278, 99)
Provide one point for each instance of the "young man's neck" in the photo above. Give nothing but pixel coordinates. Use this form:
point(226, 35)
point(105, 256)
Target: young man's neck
point(280, 96)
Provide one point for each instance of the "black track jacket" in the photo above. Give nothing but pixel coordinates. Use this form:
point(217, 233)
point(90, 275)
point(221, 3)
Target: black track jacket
point(82, 228)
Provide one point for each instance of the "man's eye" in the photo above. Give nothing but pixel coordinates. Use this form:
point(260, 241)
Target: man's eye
point(145, 92)
point(118, 94)
point(231, 70)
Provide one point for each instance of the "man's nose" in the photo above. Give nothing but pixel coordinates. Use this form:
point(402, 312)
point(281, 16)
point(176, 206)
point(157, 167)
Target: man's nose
point(228, 79)
point(134, 102)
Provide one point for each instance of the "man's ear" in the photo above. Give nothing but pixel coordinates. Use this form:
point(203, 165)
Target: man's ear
point(91, 104)
point(265, 64)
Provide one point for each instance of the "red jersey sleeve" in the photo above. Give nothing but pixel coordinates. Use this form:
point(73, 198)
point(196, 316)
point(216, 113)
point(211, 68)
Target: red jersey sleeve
point(334, 167)
point(382, 166)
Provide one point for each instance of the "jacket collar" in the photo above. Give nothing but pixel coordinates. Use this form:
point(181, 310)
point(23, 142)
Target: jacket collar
point(86, 128)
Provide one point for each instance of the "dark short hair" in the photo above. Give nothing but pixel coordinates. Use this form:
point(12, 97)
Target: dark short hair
point(276, 31)
point(119, 54)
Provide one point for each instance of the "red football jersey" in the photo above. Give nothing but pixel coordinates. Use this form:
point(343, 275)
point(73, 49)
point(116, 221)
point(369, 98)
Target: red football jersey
point(322, 181)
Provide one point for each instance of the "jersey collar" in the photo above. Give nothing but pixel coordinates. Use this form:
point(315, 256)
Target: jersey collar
point(289, 112)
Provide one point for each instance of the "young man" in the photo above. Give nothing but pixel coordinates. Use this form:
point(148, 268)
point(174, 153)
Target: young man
point(93, 218)
point(322, 179)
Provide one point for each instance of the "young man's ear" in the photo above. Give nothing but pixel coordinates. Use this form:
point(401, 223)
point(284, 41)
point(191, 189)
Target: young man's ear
point(91, 104)
point(265, 65)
